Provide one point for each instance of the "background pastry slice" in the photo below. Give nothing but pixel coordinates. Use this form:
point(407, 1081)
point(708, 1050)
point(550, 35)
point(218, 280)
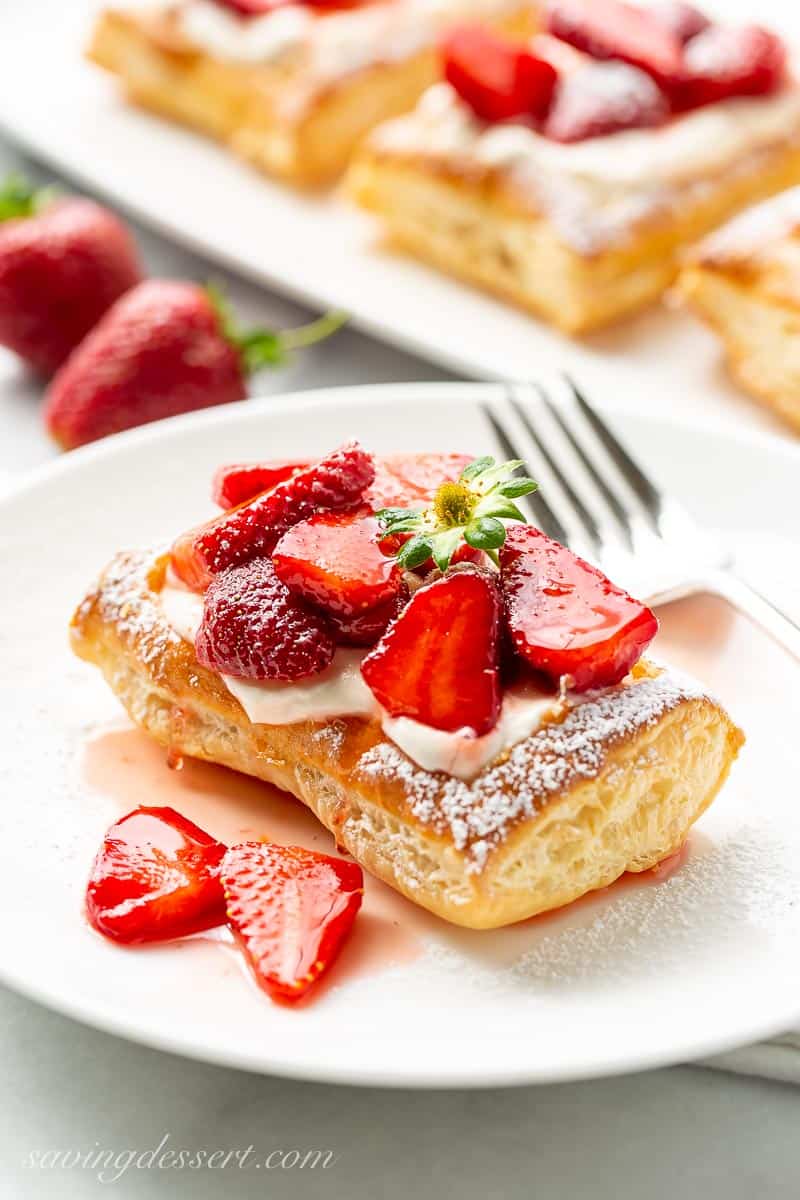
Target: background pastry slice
point(744, 281)
point(574, 197)
point(291, 87)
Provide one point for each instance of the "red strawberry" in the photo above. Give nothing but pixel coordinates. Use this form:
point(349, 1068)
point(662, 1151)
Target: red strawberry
point(496, 77)
point(565, 617)
point(164, 348)
point(291, 910)
point(438, 662)
point(237, 483)
point(727, 61)
point(400, 479)
point(254, 628)
point(335, 562)
point(612, 29)
point(366, 628)
point(337, 482)
point(156, 876)
point(681, 19)
point(61, 268)
point(603, 98)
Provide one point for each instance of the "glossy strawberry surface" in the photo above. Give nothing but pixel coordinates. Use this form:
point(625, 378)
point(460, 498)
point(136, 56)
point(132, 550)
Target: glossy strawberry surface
point(60, 271)
point(335, 561)
point(565, 617)
point(156, 876)
point(253, 627)
point(157, 352)
point(291, 910)
point(438, 662)
point(497, 77)
point(336, 482)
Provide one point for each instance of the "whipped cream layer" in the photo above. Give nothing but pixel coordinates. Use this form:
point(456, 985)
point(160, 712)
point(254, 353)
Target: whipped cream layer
point(332, 44)
point(597, 190)
point(340, 691)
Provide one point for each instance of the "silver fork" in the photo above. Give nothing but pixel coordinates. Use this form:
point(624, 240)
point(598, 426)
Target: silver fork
point(596, 499)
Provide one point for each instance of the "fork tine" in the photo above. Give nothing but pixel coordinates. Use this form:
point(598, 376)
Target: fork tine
point(543, 513)
point(611, 498)
point(590, 525)
point(648, 494)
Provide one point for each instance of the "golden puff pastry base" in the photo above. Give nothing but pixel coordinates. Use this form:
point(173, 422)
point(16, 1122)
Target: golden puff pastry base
point(271, 115)
point(744, 282)
point(615, 786)
point(474, 227)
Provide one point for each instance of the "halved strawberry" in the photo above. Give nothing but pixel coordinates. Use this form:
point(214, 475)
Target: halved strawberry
point(291, 909)
point(400, 479)
point(605, 97)
point(438, 663)
point(335, 561)
point(156, 876)
point(237, 483)
point(252, 530)
point(613, 29)
point(726, 61)
point(498, 78)
point(567, 618)
point(367, 627)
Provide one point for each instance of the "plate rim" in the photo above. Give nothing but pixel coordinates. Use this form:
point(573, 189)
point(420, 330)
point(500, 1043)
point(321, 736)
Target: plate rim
point(288, 1066)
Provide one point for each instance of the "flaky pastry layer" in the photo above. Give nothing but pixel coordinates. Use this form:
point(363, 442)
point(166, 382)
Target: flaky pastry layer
point(471, 223)
point(614, 786)
point(277, 117)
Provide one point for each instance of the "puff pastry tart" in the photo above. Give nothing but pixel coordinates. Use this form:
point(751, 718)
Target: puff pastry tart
point(567, 175)
point(291, 86)
point(744, 281)
point(460, 700)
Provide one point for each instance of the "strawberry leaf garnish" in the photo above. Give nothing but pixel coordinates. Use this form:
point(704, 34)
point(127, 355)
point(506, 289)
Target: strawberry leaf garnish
point(469, 509)
point(269, 347)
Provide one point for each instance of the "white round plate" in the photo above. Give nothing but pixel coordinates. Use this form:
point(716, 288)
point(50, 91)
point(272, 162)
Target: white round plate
point(643, 974)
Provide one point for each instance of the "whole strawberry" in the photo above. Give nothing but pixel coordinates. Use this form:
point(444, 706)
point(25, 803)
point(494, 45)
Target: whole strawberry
point(164, 348)
point(63, 263)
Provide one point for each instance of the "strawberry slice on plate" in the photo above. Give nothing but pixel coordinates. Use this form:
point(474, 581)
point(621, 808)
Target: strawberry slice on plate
point(337, 482)
point(726, 61)
point(156, 876)
point(613, 29)
point(237, 483)
point(291, 910)
point(438, 662)
point(567, 618)
point(498, 78)
point(335, 561)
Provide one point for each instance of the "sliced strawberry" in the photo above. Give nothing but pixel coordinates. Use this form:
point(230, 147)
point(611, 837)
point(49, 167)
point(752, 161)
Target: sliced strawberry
point(155, 877)
point(254, 628)
point(496, 77)
point(335, 561)
point(567, 618)
point(727, 61)
point(400, 479)
point(612, 29)
point(336, 482)
point(602, 98)
point(683, 20)
point(237, 483)
point(368, 627)
point(291, 909)
point(438, 662)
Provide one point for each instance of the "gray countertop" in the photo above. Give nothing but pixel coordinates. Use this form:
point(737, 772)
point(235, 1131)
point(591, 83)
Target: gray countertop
point(68, 1089)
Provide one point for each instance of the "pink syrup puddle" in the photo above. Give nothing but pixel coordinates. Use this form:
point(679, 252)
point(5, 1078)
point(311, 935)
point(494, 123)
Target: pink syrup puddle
point(128, 767)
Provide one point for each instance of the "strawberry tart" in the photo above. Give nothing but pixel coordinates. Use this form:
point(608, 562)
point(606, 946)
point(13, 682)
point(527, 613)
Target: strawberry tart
point(462, 701)
point(568, 174)
point(291, 85)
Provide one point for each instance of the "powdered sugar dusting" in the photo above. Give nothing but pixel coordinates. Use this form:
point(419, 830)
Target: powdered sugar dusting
point(478, 815)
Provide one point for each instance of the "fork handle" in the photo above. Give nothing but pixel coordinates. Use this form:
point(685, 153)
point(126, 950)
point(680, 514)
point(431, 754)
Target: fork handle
point(758, 608)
